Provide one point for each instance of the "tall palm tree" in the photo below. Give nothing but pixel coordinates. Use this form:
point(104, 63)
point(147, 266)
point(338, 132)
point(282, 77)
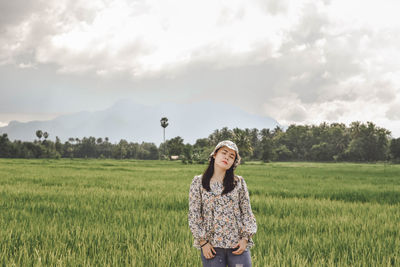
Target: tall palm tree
point(39, 134)
point(164, 124)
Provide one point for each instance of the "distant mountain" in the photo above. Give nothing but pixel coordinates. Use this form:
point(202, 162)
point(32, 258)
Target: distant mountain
point(136, 122)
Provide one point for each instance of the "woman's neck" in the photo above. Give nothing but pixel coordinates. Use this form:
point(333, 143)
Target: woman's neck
point(219, 174)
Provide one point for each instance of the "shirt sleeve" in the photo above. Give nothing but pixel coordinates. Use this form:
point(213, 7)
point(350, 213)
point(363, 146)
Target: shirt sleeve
point(196, 220)
point(247, 216)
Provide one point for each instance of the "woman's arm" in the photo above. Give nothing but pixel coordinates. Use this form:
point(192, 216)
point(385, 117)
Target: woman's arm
point(247, 216)
point(196, 221)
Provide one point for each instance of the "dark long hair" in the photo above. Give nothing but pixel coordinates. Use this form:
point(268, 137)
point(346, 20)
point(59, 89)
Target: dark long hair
point(229, 179)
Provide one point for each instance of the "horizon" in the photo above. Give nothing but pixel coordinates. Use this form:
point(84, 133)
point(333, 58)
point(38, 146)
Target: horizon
point(283, 127)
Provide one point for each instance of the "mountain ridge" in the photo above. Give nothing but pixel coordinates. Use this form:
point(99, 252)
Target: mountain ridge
point(129, 120)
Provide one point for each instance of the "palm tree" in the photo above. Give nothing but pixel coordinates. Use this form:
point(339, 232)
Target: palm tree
point(243, 142)
point(164, 124)
point(355, 129)
point(39, 134)
point(45, 135)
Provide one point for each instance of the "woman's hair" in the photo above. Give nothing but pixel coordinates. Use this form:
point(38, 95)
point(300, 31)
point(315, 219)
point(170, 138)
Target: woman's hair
point(229, 181)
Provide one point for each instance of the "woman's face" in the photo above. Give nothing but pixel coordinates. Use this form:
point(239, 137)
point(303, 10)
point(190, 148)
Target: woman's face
point(224, 158)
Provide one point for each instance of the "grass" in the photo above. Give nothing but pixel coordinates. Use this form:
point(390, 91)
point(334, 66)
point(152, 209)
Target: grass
point(116, 213)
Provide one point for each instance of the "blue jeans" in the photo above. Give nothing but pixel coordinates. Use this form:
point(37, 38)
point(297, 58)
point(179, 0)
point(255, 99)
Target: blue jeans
point(224, 256)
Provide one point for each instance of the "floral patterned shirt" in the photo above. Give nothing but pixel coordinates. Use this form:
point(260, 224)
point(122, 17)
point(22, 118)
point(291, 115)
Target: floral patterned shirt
point(221, 219)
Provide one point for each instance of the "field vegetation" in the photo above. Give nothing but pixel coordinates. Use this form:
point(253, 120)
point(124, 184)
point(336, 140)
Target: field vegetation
point(71, 212)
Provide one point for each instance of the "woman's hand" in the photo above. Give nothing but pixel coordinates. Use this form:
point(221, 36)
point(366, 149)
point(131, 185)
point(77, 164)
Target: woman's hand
point(207, 251)
point(241, 245)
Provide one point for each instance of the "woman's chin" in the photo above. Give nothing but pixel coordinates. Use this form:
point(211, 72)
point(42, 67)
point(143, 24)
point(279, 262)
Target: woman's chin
point(223, 166)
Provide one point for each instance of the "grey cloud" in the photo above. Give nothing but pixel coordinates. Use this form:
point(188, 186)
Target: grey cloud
point(296, 113)
point(274, 77)
point(310, 27)
point(248, 87)
point(23, 34)
point(335, 114)
point(97, 61)
point(385, 91)
point(324, 61)
point(75, 10)
point(28, 26)
point(13, 12)
point(325, 67)
point(35, 46)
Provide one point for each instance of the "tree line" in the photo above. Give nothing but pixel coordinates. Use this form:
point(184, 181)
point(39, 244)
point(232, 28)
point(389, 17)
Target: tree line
point(362, 142)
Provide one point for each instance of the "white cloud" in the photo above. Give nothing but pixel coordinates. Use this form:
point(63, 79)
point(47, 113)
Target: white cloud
point(393, 112)
point(297, 61)
point(141, 37)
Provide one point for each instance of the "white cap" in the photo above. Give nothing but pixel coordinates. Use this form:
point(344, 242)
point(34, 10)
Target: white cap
point(230, 145)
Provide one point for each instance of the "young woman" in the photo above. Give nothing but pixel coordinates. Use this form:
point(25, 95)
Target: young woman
point(220, 215)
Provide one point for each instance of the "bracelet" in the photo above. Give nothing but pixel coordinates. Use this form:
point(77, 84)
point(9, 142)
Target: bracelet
point(204, 244)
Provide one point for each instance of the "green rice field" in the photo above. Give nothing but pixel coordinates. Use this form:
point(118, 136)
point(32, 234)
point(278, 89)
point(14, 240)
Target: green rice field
point(134, 213)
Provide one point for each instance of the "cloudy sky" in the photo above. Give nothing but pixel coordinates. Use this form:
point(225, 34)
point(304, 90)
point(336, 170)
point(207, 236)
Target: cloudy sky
point(297, 61)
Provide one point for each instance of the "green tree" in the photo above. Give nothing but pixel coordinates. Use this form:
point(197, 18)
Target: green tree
point(5, 146)
point(133, 151)
point(339, 137)
point(220, 135)
point(321, 152)
point(148, 151)
point(255, 141)
point(242, 140)
point(68, 148)
point(201, 150)
point(267, 148)
point(175, 146)
point(153, 151)
point(298, 139)
point(328, 142)
point(395, 148)
point(266, 144)
point(120, 150)
point(188, 152)
point(164, 124)
point(39, 134)
point(58, 145)
point(369, 142)
point(87, 147)
point(202, 143)
point(283, 153)
point(106, 148)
